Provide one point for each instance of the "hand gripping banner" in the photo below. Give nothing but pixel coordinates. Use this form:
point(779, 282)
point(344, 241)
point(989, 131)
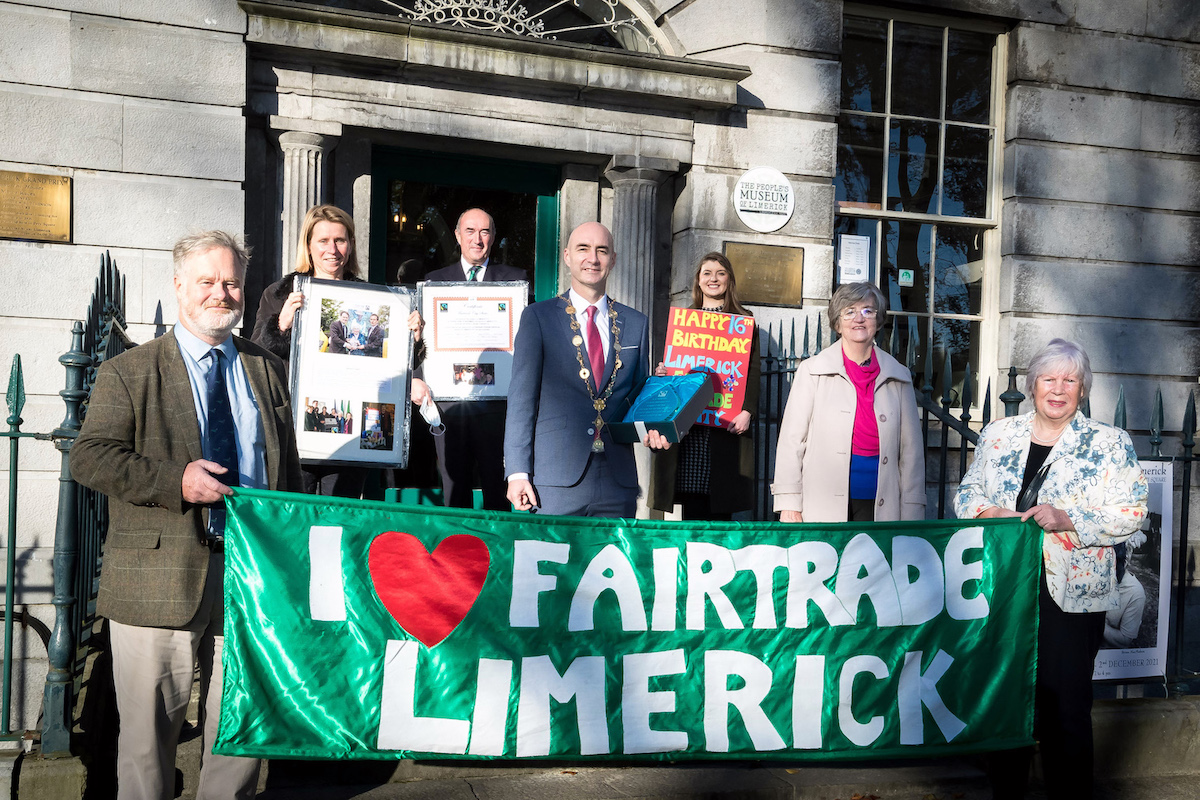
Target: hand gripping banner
point(356, 629)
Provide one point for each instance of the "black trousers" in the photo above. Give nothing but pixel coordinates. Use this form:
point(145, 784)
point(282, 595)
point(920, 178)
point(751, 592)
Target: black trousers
point(473, 444)
point(1067, 647)
point(334, 481)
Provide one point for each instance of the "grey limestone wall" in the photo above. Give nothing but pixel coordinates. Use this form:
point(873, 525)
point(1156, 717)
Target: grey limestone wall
point(1101, 227)
point(140, 103)
point(785, 118)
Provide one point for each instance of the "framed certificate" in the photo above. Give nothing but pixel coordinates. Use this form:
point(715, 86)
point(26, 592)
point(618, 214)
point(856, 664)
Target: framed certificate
point(350, 375)
point(470, 327)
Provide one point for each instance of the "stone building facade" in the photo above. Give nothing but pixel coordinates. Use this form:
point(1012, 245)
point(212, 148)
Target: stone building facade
point(1014, 170)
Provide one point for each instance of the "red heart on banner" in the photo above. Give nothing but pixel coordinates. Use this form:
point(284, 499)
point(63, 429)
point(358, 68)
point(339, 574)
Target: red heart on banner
point(428, 593)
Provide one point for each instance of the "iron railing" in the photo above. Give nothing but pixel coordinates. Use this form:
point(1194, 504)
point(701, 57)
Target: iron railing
point(82, 513)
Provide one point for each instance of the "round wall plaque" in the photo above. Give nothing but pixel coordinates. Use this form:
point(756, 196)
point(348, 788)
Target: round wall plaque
point(763, 199)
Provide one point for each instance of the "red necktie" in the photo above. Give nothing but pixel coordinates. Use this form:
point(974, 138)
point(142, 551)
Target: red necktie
point(594, 347)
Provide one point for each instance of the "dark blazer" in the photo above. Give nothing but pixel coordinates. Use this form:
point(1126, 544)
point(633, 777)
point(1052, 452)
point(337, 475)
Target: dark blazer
point(140, 433)
point(374, 343)
point(337, 337)
point(550, 423)
point(493, 272)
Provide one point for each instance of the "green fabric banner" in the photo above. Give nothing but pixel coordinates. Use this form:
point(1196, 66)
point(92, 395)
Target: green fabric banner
point(357, 629)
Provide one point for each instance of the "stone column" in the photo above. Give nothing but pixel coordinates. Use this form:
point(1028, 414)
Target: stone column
point(635, 181)
point(303, 185)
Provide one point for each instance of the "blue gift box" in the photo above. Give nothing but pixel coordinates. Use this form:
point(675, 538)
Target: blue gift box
point(670, 404)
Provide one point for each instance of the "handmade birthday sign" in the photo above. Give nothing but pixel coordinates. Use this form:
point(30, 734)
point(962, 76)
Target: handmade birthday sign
point(713, 342)
point(357, 629)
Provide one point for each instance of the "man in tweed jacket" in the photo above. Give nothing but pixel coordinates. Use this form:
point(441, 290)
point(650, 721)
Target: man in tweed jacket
point(145, 443)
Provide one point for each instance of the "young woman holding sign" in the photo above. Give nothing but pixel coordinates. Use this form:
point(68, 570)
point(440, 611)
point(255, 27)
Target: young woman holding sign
point(711, 472)
point(850, 444)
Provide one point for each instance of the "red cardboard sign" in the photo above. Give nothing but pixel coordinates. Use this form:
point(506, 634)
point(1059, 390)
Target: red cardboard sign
point(714, 342)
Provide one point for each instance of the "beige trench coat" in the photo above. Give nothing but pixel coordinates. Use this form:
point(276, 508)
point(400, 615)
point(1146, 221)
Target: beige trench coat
point(812, 461)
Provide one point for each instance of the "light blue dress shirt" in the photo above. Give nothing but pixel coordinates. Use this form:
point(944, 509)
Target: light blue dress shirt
point(251, 447)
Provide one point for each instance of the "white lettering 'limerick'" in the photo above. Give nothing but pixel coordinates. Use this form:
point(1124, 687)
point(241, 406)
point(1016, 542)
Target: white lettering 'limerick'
point(326, 588)
point(490, 716)
point(608, 571)
point(638, 702)
point(860, 733)
point(919, 689)
point(540, 681)
point(528, 582)
point(719, 667)
point(959, 572)
point(808, 694)
point(399, 726)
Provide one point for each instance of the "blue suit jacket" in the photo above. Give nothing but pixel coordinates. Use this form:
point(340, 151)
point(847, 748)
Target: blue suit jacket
point(551, 421)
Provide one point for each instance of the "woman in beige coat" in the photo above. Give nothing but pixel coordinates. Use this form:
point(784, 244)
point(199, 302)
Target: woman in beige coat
point(850, 441)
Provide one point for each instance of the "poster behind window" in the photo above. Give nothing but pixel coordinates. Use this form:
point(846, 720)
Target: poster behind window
point(470, 328)
point(351, 373)
point(1135, 634)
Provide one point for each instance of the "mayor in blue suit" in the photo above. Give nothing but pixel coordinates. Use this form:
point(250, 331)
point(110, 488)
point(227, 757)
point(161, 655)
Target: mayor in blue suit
point(577, 358)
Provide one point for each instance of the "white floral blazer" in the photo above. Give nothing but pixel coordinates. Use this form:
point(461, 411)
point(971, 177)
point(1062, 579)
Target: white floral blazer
point(1094, 477)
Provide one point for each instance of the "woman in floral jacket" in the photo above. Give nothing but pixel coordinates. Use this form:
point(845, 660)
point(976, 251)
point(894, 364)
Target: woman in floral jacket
point(1092, 496)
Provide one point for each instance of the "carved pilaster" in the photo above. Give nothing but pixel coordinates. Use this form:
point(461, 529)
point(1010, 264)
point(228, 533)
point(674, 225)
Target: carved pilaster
point(635, 181)
point(304, 157)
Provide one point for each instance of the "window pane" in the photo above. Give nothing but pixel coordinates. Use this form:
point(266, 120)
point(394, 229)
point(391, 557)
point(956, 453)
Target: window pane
point(859, 180)
point(864, 64)
point(905, 269)
point(844, 254)
point(962, 338)
point(964, 178)
point(969, 78)
point(959, 271)
point(916, 70)
point(902, 335)
point(912, 166)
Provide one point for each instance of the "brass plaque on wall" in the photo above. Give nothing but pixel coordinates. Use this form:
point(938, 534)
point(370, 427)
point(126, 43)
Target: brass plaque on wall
point(767, 274)
point(35, 206)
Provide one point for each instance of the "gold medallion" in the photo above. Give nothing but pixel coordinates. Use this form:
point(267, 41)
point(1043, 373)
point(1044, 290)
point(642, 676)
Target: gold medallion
point(585, 373)
point(578, 340)
point(597, 445)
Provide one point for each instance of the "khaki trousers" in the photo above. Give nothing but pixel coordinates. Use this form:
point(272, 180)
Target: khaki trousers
point(152, 672)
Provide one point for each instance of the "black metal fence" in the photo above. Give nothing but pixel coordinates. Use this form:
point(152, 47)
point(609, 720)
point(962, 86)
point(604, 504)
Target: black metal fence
point(82, 513)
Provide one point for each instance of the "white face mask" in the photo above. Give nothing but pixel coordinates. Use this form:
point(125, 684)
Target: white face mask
point(431, 415)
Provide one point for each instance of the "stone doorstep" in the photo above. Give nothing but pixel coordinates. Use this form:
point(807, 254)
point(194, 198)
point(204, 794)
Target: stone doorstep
point(1135, 739)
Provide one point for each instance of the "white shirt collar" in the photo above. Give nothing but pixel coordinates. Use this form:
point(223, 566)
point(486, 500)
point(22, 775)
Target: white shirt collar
point(197, 348)
point(580, 304)
point(466, 268)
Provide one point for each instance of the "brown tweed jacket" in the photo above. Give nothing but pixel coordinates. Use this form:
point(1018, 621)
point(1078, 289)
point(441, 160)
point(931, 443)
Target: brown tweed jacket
point(140, 433)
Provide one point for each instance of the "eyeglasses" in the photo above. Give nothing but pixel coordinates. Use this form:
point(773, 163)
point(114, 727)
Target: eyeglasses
point(851, 313)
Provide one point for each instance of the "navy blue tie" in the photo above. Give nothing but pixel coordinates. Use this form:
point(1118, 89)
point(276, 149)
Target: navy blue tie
point(222, 437)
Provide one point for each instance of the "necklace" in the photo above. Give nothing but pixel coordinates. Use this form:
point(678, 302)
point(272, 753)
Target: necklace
point(1045, 442)
point(598, 403)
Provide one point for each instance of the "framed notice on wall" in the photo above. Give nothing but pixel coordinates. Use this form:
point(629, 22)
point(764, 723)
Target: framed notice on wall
point(351, 372)
point(470, 327)
point(767, 275)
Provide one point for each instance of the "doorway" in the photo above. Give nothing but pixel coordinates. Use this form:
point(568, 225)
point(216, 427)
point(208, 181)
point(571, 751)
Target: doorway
point(420, 195)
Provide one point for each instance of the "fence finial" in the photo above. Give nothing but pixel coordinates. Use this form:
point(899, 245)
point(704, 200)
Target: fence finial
point(1012, 396)
point(1156, 424)
point(1119, 414)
